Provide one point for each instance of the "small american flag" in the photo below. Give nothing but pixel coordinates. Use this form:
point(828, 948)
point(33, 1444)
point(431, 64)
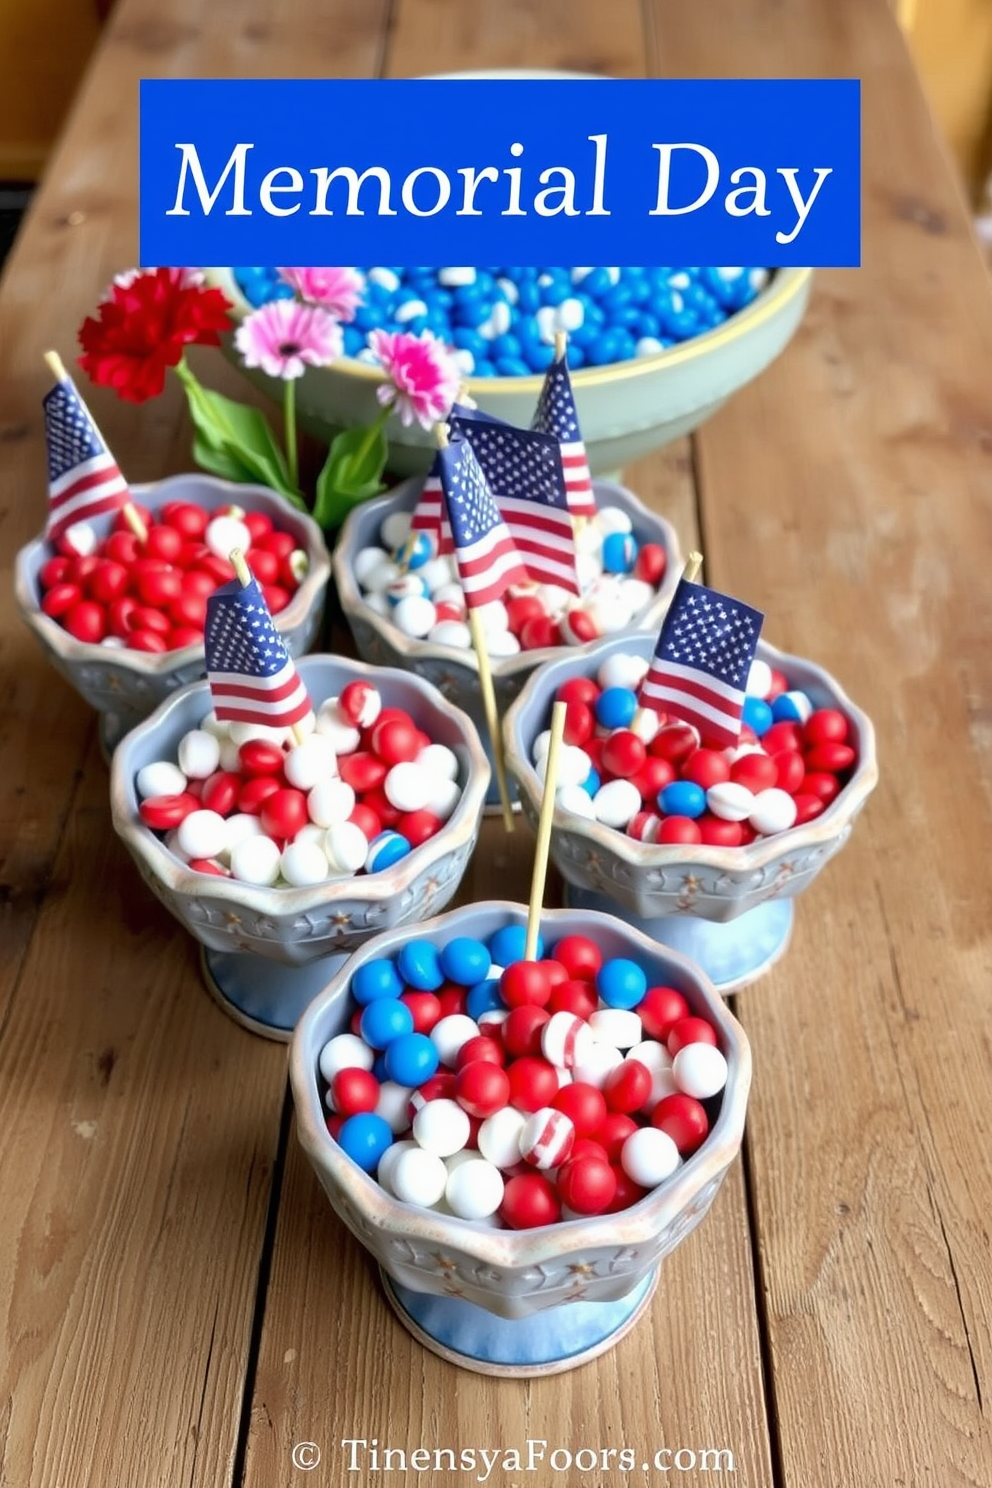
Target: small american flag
point(83, 476)
point(523, 470)
point(701, 663)
point(429, 514)
point(556, 415)
point(252, 677)
point(487, 558)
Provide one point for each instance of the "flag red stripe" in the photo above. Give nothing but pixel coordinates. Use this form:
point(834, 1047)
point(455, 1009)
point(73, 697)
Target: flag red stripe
point(725, 698)
point(243, 689)
point(230, 712)
point(715, 734)
point(59, 523)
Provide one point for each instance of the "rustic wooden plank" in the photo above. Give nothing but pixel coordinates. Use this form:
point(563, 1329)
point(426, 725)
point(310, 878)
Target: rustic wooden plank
point(139, 1124)
point(846, 493)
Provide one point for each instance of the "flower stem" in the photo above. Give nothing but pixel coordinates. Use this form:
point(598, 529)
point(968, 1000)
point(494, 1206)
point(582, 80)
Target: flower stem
point(370, 434)
point(289, 413)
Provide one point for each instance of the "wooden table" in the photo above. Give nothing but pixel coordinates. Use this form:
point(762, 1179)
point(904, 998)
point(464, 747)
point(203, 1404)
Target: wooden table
point(178, 1304)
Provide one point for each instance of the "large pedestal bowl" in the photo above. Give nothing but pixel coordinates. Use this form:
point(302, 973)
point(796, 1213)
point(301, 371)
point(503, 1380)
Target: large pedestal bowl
point(124, 686)
point(453, 671)
point(729, 909)
point(268, 951)
point(520, 1302)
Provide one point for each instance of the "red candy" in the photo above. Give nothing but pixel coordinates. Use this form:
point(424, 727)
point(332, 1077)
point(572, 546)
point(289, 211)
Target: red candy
point(681, 829)
point(660, 1009)
point(525, 982)
point(162, 813)
point(528, 1201)
point(481, 1047)
point(689, 1031)
point(683, 1119)
point(396, 740)
point(584, 1105)
point(627, 1087)
point(580, 956)
point(825, 726)
point(573, 997)
point(425, 1008)
point(354, 1090)
point(257, 757)
point(706, 767)
point(482, 1088)
point(587, 1185)
point(522, 1029)
point(533, 1083)
point(624, 754)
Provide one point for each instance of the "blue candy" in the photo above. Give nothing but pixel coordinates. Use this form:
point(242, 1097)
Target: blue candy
point(592, 782)
point(619, 552)
point(419, 966)
point(615, 707)
point(482, 999)
point(621, 983)
point(758, 715)
point(385, 1020)
point(375, 979)
point(682, 798)
point(465, 960)
point(411, 1059)
point(364, 1138)
point(791, 707)
point(385, 850)
point(507, 945)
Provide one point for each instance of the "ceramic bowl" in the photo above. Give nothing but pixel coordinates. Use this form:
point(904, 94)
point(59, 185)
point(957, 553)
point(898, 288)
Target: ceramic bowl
point(626, 410)
point(728, 908)
point(520, 1302)
point(267, 951)
point(125, 686)
point(453, 671)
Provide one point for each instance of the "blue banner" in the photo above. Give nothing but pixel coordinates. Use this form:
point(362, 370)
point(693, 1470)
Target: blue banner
point(514, 171)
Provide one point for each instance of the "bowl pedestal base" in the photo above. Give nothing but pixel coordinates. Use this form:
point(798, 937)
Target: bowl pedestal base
point(549, 1342)
point(732, 954)
point(262, 995)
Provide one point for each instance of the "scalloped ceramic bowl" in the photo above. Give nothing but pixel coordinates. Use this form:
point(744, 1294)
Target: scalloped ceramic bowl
point(526, 1301)
point(268, 951)
point(453, 671)
point(626, 409)
point(730, 909)
point(125, 686)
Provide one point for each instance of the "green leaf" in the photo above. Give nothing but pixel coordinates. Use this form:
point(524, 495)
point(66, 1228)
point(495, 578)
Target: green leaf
point(234, 439)
point(352, 473)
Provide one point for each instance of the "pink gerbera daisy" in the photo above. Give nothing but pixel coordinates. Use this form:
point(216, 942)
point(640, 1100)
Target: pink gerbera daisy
point(423, 375)
point(337, 290)
point(284, 338)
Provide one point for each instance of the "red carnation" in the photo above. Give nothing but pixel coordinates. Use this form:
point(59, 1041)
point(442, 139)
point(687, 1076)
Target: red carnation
point(143, 326)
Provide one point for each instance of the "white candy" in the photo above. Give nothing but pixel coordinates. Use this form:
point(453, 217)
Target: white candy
point(616, 803)
point(438, 573)
point(617, 1026)
point(730, 801)
point(608, 609)
point(241, 733)
point(773, 811)
point(379, 604)
point(554, 598)
point(636, 594)
point(344, 1051)
point(622, 670)
point(406, 586)
point(230, 756)
point(409, 310)
point(759, 679)
point(445, 795)
point(546, 1138)
point(439, 761)
point(510, 290)
point(393, 1105)
point(303, 864)
point(588, 568)
point(388, 1161)
point(502, 643)
point(547, 323)
point(474, 1189)
point(441, 1127)
point(415, 616)
point(645, 724)
point(312, 833)
point(613, 519)
point(571, 315)
point(451, 633)
point(408, 786)
point(648, 346)
point(649, 1156)
point(379, 578)
point(239, 828)
point(330, 803)
point(199, 754)
point(494, 616)
point(203, 834)
point(161, 778)
point(419, 1177)
point(499, 1137)
point(332, 723)
point(573, 767)
point(464, 361)
point(801, 703)
point(255, 860)
point(395, 529)
point(225, 533)
point(700, 1070)
point(83, 539)
point(451, 593)
point(541, 745)
point(346, 847)
point(450, 1033)
point(171, 843)
point(114, 643)
point(213, 725)
point(366, 561)
point(567, 1040)
point(577, 800)
point(309, 763)
point(657, 1060)
point(595, 1064)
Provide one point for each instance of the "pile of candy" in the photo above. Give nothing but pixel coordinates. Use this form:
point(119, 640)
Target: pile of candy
point(363, 789)
point(519, 1092)
point(654, 778)
point(152, 596)
point(502, 322)
point(420, 593)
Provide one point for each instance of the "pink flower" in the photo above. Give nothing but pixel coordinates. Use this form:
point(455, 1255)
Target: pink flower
point(284, 338)
point(337, 290)
point(423, 376)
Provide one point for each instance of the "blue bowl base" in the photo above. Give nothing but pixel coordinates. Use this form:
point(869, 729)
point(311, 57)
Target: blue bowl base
point(732, 954)
point(262, 995)
point(549, 1342)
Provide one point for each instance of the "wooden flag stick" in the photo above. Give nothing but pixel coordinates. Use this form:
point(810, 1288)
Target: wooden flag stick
point(244, 576)
point(132, 516)
point(486, 687)
point(693, 564)
point(540, 873)
point(561, 344)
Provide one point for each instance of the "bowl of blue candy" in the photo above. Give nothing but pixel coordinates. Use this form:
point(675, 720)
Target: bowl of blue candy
point(653, 351)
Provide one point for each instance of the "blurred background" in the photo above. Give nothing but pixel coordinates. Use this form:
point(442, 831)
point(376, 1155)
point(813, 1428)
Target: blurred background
point(46, 44)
